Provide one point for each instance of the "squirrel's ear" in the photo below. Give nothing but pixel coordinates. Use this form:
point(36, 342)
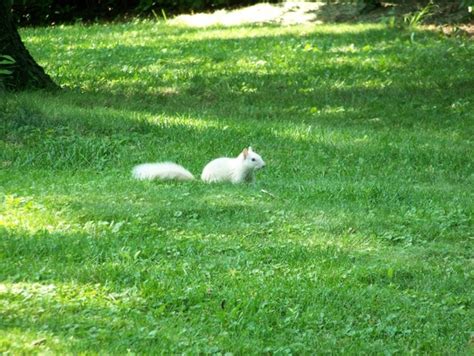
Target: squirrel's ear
point(250, 149)
point(245, 152)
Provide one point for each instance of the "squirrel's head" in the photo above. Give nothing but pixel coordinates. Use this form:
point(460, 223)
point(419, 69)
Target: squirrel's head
point(252, 160)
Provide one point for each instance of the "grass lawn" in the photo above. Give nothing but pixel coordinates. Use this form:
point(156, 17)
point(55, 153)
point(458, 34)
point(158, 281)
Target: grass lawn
point(364, 244)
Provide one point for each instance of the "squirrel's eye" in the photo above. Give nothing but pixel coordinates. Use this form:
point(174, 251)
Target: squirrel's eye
point(253, 159)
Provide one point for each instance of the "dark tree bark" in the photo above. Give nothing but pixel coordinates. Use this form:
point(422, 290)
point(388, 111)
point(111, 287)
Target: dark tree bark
point(26, 73)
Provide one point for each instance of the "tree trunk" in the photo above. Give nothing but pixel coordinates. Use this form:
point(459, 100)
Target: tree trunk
point(26, 73)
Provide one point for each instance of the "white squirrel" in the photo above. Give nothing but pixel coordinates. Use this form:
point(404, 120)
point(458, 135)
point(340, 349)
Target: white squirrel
point(224, 169)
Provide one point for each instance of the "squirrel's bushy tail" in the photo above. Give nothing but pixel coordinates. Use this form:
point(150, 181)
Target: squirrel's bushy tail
point(163, 170)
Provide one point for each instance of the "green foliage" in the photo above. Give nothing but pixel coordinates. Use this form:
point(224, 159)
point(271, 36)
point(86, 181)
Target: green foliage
point(356, 239)
point(6, 62)
point(417, 17)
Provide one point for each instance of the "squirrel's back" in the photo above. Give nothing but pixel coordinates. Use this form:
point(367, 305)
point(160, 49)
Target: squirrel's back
point(236, 170)
point(219, 170)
